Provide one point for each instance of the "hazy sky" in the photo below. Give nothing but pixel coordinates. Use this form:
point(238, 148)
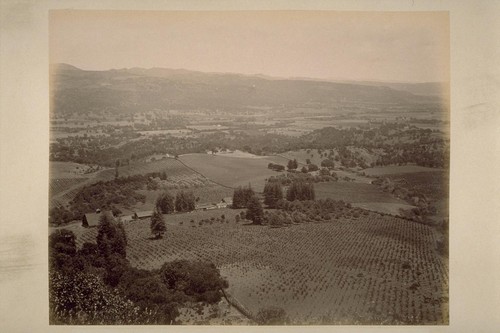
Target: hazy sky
point(397, 46)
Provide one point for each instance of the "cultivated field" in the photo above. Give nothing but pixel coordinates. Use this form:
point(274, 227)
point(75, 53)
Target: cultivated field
point(362, 195)
point(231, 171)
point(370, 269)
point(396, 169)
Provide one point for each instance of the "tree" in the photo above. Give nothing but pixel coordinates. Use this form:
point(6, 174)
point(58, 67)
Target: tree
point(327, 163)
point(292, 164)
point(198, 280)
point(303, 170)
point(299, 190)
point(184, 201)
point(165, 203)
point(273, 192)
point(63, 252)
point(241, 196)
point(82, 299)
point(255, 212)
point(313, 167)
point(272, 316)
point(157, 226)
point(111, 237)
point(117, 165)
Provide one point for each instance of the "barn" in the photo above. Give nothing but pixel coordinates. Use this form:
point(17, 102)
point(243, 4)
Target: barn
point(143, 215)
point(91, 220)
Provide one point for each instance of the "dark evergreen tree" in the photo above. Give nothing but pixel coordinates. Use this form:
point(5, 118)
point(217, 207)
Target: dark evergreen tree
point(184, 201)
point(165, 203)
point(158, 226)
point(299, 190)
point(292, 164)
point(111, 237)
point(241, 196)
point(273, 192)
point(255, 212)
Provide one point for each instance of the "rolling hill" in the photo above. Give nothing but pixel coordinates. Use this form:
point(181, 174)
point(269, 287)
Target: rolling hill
point(138, 90)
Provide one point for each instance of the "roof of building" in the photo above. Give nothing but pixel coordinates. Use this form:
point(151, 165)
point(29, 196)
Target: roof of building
point(127, 218)
point(228, 200)
point(93, 218)
point(206, 205)
point(145, 213)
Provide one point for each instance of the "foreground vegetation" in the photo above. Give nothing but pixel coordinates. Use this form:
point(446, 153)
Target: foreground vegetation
point(389, 270)
point(95, 283)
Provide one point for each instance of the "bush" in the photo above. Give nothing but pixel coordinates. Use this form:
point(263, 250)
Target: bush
point(272, 316)
point(199, 280)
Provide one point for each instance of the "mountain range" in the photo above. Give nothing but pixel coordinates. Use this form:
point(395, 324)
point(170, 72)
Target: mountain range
point(132, 90)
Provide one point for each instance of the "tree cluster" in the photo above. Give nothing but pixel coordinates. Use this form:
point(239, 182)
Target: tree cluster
point(165, 203)
point(300, 190)
point(276, 167)
point(242, 196)
point(292, 164)
point(273, 192)
point(255, 212)
point(95, 285)
point(185, 201)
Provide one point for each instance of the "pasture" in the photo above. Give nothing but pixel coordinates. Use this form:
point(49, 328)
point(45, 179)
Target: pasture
point(367, 270)
point(397, 169)
point(361, 195)
point(231, 171)
point(69, 170)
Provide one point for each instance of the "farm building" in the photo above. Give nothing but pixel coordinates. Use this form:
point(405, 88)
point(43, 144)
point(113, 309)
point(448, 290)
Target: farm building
point(143, 215)
point(206, 206)
point(127, 218)
point(91, 220)
point(225, 202)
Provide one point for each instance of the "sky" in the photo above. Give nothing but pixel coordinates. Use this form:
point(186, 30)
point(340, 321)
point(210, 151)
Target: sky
point(375, 46)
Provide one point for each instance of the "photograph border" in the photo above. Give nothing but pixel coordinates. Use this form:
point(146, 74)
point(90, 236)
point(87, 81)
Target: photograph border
point(474, 100)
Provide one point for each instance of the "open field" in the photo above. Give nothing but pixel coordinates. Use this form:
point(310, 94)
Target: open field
point(396, 169)
point(371, 269)
point(362, 195)
point(69, 170)
point(231, 171)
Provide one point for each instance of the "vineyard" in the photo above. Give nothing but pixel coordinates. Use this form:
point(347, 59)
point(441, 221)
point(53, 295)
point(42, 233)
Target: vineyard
point(370, 269)
point(59, 185)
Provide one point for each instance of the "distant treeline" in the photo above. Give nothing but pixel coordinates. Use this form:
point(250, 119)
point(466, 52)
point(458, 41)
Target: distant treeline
point(399, 144)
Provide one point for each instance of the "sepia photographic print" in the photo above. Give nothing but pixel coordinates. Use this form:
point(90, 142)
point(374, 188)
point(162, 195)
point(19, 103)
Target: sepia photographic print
point(249, 167)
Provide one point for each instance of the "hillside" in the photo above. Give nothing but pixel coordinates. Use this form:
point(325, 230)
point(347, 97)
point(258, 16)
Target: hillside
point(138, 90)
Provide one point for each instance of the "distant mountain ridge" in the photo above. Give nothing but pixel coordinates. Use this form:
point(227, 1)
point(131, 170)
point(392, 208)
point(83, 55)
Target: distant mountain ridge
point(139, 89)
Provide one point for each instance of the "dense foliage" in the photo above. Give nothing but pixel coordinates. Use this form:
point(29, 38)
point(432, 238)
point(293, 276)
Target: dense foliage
point(96, 284)
point(273, 192)
point(272, 316)
point(300, 190)
point(255, 212)
point(398, 144)
point(184, 201)
point(200, 281)
point(165, 203)
point(158, 226)
point(242, 196)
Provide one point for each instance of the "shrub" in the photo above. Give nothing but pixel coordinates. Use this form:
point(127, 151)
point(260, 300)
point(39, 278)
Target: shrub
point(272, 316)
